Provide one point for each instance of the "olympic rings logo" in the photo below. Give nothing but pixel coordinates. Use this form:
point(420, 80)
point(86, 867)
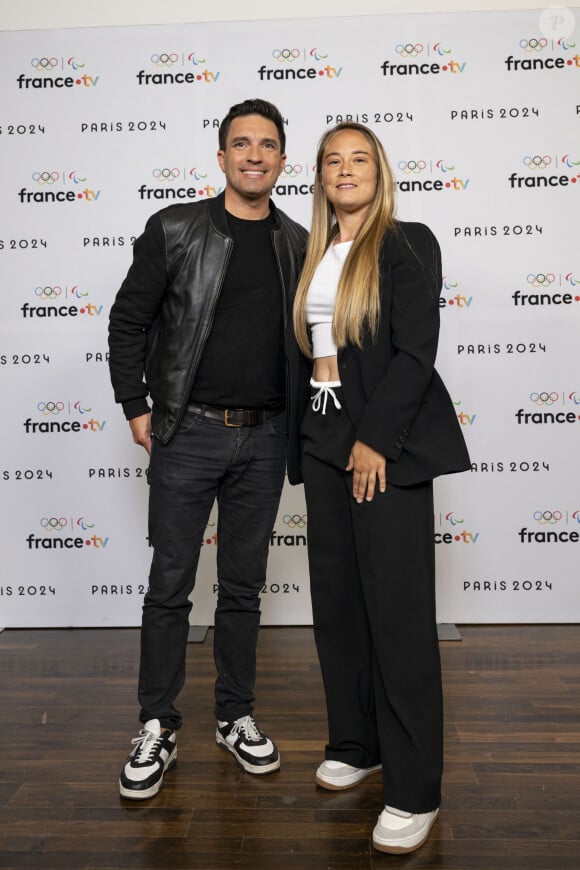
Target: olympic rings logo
point(317, 54)
point(533, 44)
point(44, 63)
point(47, 292)
point(164, 59)
point(295, 521)
point(50, 407)
point(292, 170)
point(414, 166)
point(541, 280)
point(409, 50)
point(547, 517)
point(544, 398)
point(286, 54)
point(537, 162)
point(195, 60)
point(165, 174)
point(45, 177)
point(54, 524)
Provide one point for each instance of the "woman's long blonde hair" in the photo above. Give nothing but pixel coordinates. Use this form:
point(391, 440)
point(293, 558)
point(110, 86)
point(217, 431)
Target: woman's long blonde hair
point(357, 300)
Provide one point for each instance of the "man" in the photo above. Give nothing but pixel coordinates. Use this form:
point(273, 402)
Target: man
point(202, 313)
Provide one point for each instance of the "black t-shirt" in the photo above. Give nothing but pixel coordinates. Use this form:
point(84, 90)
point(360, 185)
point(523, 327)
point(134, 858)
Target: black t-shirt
point(243, 362)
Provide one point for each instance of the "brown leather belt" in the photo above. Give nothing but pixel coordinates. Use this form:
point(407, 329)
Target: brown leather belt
point(235, 417)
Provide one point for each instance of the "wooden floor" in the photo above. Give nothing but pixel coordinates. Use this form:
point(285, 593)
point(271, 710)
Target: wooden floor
point(511, 787)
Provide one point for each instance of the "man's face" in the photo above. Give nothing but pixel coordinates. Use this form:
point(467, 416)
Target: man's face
point(251, 160)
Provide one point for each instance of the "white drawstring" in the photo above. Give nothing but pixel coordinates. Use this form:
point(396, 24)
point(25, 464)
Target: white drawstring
point(325, 389)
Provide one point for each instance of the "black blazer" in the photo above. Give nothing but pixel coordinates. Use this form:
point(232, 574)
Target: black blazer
point(394, 396)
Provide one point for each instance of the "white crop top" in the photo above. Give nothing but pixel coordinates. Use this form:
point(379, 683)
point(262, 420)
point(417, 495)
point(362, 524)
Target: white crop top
point(321, 299)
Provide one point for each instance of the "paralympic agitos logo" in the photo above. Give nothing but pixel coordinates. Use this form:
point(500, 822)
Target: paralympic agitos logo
point(547, 171)
point(178, 68)
point(51, 420)
point(57, 72)
point(194, 184)
point(289, 64)
point(53, 186)
point(418, 59)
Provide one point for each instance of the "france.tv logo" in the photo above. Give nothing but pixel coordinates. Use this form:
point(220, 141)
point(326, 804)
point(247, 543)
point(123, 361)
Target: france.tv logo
point(180, 184)
point(55, 72)
point(547, 171)
point(49, 188)
point(429, 175)
point(191, 65)
point(548, 288)
point(289, 64)
point(550, 407)
point(551, 527)
point(451, 529)
point(66, 533)
point(416, 58)
point(55, 300)
point(51, 413)
point(538, 54)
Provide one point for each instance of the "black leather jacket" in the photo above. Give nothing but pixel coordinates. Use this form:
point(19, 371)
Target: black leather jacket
point(163, 312)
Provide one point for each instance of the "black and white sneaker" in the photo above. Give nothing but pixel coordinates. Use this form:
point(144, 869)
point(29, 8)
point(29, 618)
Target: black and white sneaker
point(254, 751)
point(155, 752)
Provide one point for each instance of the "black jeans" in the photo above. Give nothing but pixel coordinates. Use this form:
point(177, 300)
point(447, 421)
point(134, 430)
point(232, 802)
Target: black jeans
point(372, 576)
point(243, 468)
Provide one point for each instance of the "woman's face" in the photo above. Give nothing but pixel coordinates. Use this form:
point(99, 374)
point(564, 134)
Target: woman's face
point(349, 172)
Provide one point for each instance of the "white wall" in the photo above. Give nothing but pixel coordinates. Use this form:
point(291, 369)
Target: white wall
point(43, 14)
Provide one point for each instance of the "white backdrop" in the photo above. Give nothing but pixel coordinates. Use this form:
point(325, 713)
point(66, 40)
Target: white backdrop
point(100, 127)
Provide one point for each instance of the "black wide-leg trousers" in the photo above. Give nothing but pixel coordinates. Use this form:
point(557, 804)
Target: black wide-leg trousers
point(372, 571)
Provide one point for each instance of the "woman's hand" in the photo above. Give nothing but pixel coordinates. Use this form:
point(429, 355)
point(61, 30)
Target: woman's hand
point(367, 465)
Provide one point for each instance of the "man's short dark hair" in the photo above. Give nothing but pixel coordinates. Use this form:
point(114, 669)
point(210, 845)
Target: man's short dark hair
point(253, 107)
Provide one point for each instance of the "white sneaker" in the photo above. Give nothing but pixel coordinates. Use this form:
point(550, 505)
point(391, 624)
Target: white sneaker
point(248, 743)
point(154, 754)
point(335, 775)
point(398, 832)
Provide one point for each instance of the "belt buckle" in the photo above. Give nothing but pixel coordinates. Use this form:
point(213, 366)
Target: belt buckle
point(226, 418)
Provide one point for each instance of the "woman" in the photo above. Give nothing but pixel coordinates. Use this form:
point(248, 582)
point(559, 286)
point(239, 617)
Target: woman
point(368, 437)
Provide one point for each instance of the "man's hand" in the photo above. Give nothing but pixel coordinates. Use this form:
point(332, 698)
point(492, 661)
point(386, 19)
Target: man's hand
point(141, 431)
point(367, 465)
